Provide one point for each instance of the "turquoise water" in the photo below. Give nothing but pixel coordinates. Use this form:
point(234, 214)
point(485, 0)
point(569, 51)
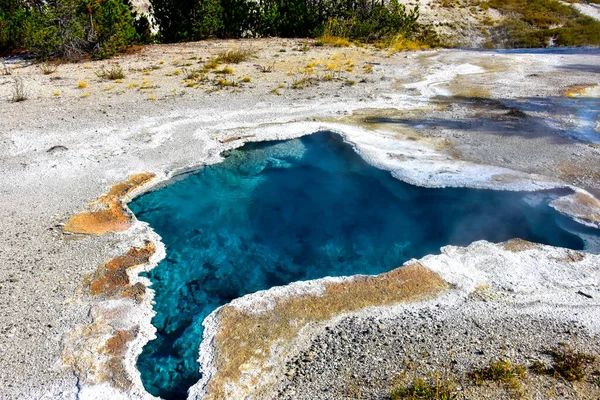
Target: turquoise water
point(278, 212)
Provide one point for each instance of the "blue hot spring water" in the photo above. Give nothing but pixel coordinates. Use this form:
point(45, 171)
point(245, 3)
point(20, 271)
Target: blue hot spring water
point(277, 212)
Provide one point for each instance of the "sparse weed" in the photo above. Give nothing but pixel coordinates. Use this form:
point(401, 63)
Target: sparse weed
point(6, 70)
point(265, 69)
point(115, 72)
point(225, 71)
point(234, 56)
point(48, 68)
point(275, 92)
point(502, 372)
point(82, 84)
point(192, 74)
point(246, 79)
point(18, 90)
point(423, 389)
point(538, 367)
point(334, 41)
point(569, 363)
point(222, 83)
point(368, 68)
point(56, 93)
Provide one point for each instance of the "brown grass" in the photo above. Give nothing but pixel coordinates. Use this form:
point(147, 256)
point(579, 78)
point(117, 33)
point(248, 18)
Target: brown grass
point(246, 338)
point(109, 214)
point(111, 278)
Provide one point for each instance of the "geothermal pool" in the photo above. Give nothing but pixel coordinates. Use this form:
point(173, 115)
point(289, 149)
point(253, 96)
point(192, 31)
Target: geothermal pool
point(276, 212)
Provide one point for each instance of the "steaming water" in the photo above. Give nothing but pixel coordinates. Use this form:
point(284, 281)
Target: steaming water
point(277, 212)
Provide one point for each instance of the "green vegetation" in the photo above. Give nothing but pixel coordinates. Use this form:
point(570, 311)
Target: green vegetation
point(569, 363)
point(69, 29)
point(352, 19)
point(422, 389)
point(74, 29)
point(536, 23)
point(114, 73)
point(234, 56)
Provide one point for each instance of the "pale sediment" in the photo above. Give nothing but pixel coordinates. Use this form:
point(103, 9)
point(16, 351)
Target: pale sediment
point(100, 336)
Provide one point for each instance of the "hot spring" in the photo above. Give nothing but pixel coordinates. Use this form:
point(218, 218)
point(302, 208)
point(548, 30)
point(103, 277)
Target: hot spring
point(277, 212)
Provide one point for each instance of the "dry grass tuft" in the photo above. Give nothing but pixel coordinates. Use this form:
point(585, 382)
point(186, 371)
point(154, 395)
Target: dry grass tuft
point(114, 73)
point(333, 41)
point(234, 56)
point(5, 70)
point(438, 389)
point(245, 338)
point(18, 90)
point(48, 68)
point(109, 214)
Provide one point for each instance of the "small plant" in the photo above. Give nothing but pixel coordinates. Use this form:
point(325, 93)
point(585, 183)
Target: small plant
point(85, 95)
point(246, 79)
point(503, 372)
point(422, 389)
point(212, 64)
point(538, 367)
point(82, 84)
point(116, 72)
point(265, 69)
point(5, 69)
point(368, 68)
point(234, 56)
point(18, 90)
point(192, 74)
point(48, 68)
point(333, 41)
point(569, 363)
point(225, 71)
point(225, 83)
point(56, 93)
point(275, 92)
point(499, 371)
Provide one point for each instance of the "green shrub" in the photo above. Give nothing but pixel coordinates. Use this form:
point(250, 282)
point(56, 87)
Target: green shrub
point(67, 29)
point(13, 15)
point(537, 23)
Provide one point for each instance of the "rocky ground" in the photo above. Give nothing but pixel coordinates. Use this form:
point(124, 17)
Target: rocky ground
point(366, 358)
point(77, 134)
